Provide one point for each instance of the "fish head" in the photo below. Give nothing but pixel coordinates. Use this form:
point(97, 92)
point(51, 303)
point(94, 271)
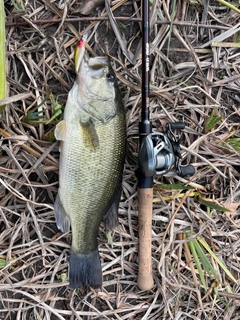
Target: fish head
point(97, 90)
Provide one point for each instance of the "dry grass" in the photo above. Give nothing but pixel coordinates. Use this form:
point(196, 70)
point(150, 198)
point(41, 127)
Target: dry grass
point(189, 78)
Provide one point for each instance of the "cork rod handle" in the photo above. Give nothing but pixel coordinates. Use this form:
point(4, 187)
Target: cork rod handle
point(145, 278)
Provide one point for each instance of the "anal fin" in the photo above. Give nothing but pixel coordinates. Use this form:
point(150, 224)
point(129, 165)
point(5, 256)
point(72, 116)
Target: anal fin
point(62, 220)
point(110, 218)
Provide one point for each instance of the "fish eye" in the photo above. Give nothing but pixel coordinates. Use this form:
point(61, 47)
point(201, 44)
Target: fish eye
point(110, 77)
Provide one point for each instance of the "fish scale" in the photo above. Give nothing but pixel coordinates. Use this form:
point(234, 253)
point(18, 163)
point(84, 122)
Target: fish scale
point(93, 141)
point(96, 180)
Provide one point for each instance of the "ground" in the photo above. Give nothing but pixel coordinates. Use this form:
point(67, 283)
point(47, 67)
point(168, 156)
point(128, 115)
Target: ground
point(194, 77)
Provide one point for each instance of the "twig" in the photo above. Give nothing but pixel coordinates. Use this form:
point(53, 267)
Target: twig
point(35, 153)
point(82, 19)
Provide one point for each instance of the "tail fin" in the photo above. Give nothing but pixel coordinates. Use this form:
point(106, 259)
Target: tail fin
point(85, 269)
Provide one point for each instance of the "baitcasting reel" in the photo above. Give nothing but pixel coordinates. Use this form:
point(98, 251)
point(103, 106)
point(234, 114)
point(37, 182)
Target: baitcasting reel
point(159, 152)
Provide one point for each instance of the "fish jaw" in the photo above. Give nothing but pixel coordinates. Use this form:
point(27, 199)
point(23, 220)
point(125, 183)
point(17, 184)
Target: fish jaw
point(95, 85)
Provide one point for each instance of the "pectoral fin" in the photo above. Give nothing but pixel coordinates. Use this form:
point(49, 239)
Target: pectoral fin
point(90, 137)
point(62, 220)
point(60, 130)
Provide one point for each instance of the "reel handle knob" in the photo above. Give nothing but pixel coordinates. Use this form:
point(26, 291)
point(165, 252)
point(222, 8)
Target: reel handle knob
point(176, 125)
point(186, 171)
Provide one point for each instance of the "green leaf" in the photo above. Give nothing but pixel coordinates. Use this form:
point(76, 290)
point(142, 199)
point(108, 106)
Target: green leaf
point(212, 121)
point(228, 289)
point(122, 26)
point(195, 257)
point(173, 186)
point(221, 264)
point(18, 5)
point(62, 277)
point(229, 5)
point(110, 238)
point(213, 205)
point(233, 142)
point(35, 117)
point(2, 263)
point(178, 186)
point(205, 261)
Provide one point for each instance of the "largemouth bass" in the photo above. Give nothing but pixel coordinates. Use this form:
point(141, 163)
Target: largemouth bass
point(92, 153)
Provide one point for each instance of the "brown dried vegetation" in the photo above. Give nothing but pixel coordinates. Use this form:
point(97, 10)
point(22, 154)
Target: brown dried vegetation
point(194, 74)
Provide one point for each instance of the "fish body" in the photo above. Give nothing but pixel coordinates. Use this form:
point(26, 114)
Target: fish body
point(92, 153)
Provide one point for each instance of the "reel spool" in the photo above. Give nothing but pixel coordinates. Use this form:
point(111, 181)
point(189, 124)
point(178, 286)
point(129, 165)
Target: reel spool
point(159, 152)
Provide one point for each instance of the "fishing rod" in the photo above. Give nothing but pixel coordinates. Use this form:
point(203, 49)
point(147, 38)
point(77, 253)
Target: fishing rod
point(158, 152)
point(145, 183)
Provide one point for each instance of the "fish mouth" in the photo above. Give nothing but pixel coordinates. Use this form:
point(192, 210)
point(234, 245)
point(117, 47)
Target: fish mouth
point(97, 67)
